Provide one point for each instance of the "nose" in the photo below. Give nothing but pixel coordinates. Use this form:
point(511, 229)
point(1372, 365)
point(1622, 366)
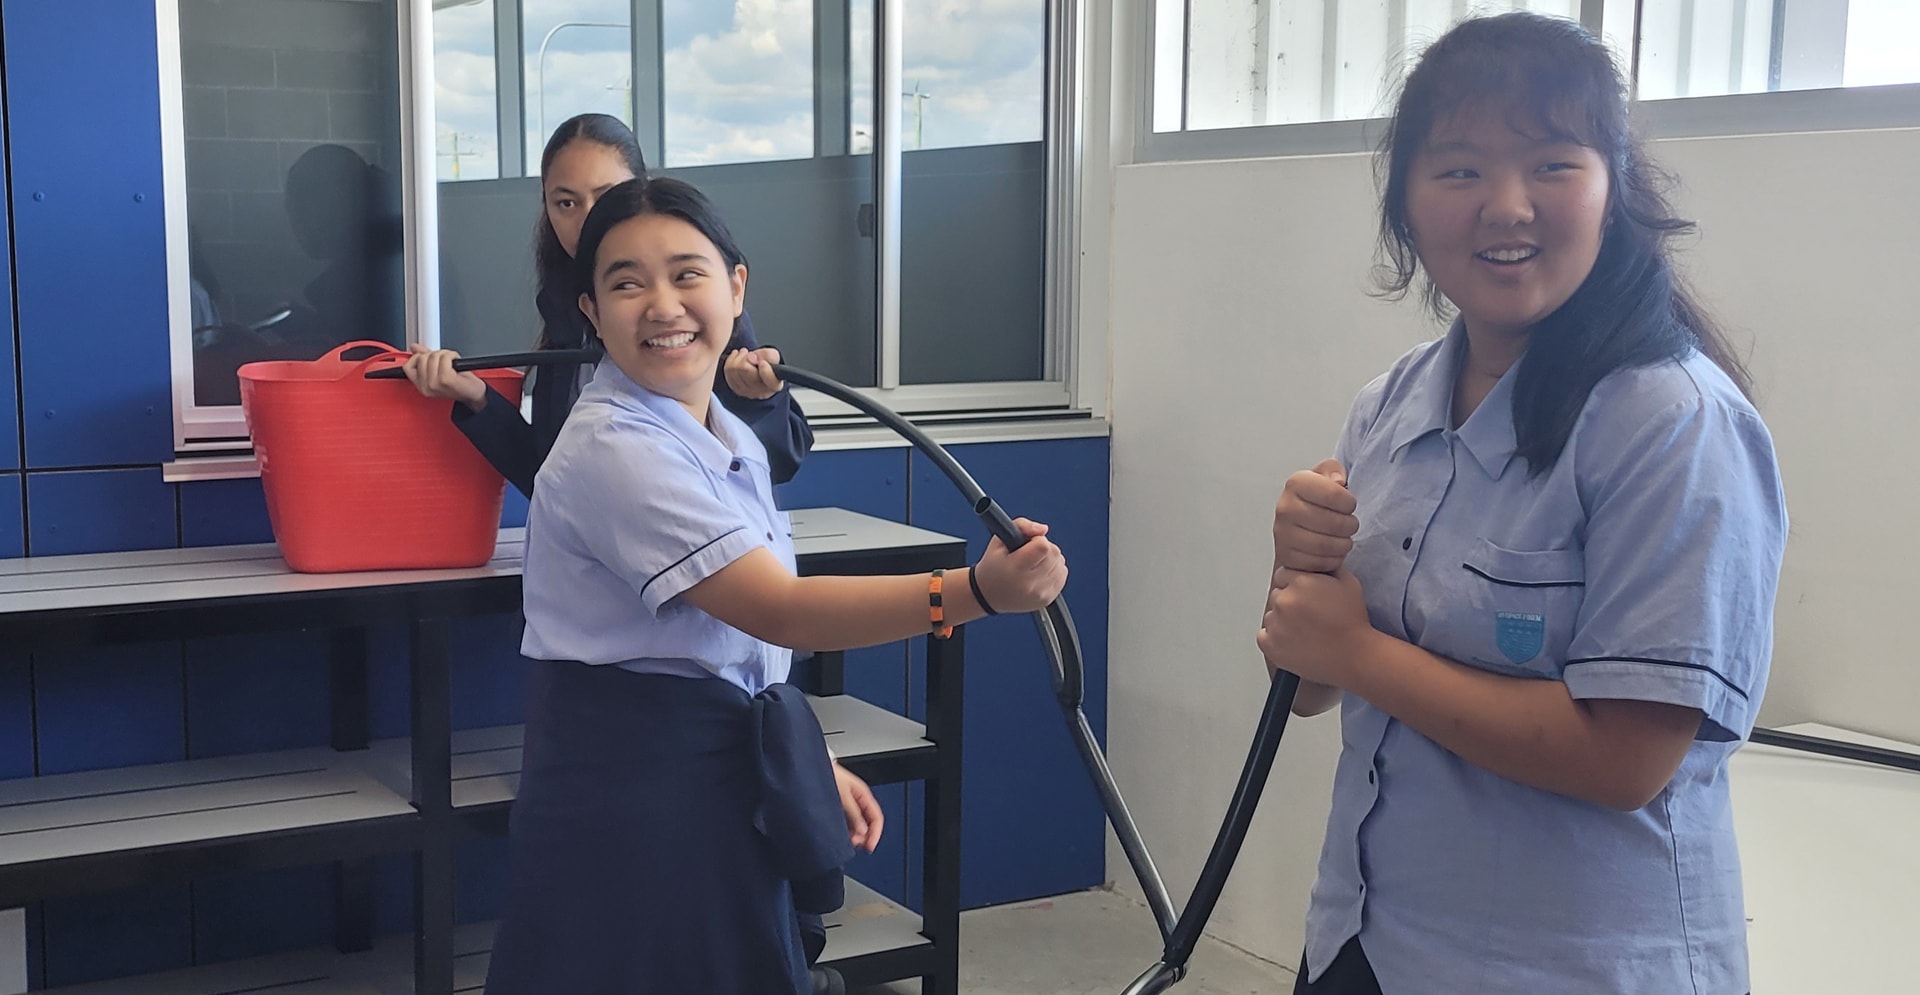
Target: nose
point(1508, 203)
point(663, 304)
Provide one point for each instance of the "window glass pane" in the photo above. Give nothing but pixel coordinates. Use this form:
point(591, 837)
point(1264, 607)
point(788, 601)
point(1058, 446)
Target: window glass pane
point(1169, 81)
point(1295, 61)
point(739, 81)
point(753, 123)
point(1703, 48)
point(860, 69)
point(1883, 43)
point(973, 73)
point(486, 221)
point(579, 58)
point(973, 222)
point(292, 126)
point(466, 120)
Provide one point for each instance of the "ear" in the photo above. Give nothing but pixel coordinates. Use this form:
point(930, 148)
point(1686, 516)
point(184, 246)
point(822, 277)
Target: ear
point(590, 308)
point(739, 289)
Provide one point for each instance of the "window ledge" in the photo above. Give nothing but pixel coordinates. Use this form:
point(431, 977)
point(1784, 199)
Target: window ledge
point(187, 468)
point(865, 433)
point(860, 433)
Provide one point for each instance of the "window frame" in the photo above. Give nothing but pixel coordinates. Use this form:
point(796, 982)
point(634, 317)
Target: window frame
point(1829, 109)
point(212, 442)
point(221, 429)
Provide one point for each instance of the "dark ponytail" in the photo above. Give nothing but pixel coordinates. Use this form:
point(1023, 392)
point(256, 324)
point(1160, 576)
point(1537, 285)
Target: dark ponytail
point(557, 292)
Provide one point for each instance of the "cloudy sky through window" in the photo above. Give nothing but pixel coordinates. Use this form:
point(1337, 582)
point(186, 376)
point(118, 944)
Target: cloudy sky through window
point(738, 77)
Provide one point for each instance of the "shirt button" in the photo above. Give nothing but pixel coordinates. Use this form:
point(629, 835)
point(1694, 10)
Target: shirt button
point(734, 466)
point(1406, 543)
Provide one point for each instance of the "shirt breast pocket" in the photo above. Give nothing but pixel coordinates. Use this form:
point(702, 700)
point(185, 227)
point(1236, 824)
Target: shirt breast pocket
point(1519, 608)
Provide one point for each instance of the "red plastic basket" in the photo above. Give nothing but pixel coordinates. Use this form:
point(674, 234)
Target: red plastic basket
point(367, 474)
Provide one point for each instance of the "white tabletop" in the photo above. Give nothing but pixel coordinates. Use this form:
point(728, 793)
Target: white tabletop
point(1832, 869)
point(107, 580)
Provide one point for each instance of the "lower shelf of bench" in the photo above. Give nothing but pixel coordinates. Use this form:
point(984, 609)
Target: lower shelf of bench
point(873, 742)
point(871, 940)
point(99, 829)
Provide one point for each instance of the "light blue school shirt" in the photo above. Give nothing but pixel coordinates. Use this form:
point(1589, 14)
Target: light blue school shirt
point(1643, 566)
point(637, 503)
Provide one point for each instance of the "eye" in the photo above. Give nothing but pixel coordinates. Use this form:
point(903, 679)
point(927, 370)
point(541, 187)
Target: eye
point(688, 275)
point(1557, 167)
point(1459, 174)
point(564, 203)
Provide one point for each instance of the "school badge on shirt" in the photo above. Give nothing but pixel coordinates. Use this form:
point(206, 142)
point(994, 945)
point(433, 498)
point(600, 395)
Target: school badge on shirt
point(1519, 635)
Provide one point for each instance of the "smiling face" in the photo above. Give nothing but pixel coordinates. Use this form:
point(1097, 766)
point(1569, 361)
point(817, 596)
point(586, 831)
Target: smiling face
point(664, 301)
point(1506, 223)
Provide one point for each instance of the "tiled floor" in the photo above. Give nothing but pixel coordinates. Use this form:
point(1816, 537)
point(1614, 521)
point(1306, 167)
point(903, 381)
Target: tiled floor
point(1094, 943)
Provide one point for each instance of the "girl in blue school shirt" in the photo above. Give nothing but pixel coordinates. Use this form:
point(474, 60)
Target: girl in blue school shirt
point(1538, 574)
point(586, 155)
point(670, 772)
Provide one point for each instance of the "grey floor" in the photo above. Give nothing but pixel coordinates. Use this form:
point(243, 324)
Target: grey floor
point(1093, 943)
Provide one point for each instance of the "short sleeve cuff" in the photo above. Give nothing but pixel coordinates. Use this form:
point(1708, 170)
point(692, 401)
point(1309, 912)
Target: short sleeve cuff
point(1728, 708)
point(697, 566)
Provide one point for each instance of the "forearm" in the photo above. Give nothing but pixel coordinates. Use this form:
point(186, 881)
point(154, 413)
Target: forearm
point(1526, 730)
point(502, 437)
point(840, 613)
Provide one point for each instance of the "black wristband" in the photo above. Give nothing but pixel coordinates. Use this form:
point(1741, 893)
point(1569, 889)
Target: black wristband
point(974, 582)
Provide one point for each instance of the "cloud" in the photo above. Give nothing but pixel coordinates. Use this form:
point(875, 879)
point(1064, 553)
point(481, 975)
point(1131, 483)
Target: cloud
point(739, 82)
point(463, 78)
point(752, 84)
point(538, 18)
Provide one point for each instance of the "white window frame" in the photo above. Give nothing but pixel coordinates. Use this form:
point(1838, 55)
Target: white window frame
point(1831, 109)
point(211, 442)
point(222, 429)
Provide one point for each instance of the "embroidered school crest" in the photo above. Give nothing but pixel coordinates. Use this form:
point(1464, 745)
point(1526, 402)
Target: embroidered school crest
point(1520, 636)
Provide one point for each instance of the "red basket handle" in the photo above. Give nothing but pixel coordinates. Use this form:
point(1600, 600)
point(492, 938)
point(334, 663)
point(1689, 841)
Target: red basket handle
point(339, 353)
point(385, 355)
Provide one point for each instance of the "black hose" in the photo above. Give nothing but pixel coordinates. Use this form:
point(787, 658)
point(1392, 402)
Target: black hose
point(1181, 934)
point(467, 364)
point(1062, 642)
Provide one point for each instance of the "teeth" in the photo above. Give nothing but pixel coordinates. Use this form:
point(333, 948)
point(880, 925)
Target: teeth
point(1509, 255)
point(671, 341)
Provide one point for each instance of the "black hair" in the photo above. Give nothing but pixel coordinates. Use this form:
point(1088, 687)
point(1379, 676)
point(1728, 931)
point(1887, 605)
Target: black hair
point(1551, 75)
point(554, 270)
point(661, 195)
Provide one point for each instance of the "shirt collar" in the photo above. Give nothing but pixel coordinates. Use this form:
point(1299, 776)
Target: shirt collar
point(1427, 406)
point(729, 440)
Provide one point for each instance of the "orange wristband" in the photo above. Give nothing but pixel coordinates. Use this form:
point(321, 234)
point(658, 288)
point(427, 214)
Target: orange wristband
point(936, 608)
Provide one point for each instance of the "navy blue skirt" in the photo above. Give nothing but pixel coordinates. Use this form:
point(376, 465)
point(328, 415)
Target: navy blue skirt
point(635, 864)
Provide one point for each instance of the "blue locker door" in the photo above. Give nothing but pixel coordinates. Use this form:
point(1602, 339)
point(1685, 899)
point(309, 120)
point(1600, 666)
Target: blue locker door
point(9, 399)
point(1031, 823)
point(83, 129)
point(13, 519)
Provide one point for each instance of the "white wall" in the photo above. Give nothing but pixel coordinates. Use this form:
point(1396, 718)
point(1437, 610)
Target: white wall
point(1240, 328)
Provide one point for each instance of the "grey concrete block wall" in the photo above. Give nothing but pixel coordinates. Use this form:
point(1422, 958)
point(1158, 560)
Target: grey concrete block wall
point(276, 115)
point(265, 81)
